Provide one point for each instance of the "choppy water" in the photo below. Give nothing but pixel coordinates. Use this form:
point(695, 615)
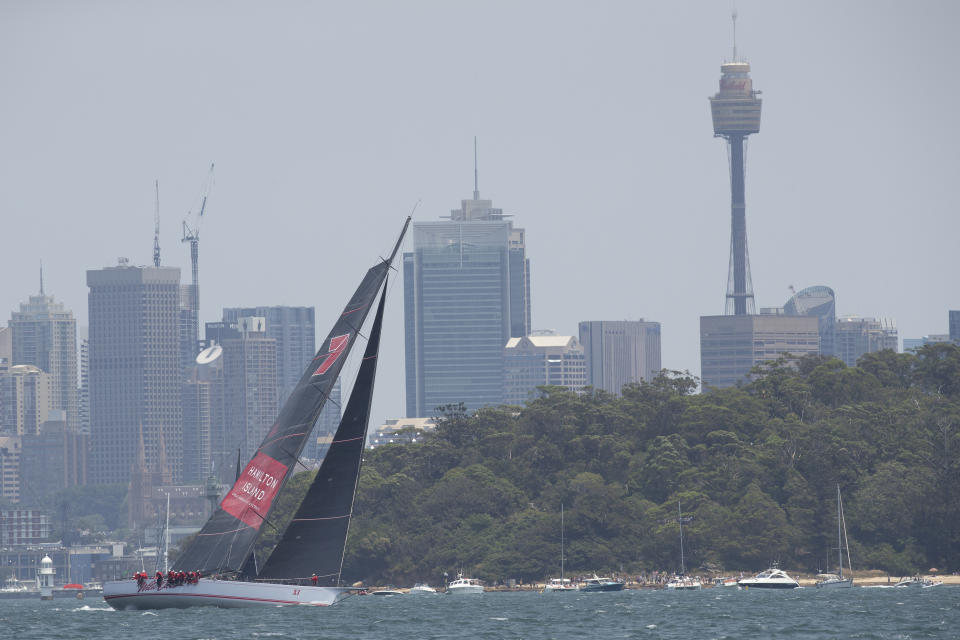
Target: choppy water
point(717, 613)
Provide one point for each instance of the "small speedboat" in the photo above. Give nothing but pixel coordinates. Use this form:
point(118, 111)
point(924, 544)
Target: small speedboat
point(601, 584)
point(725, 581)
point(421, 588)
point(386, 592)
point(772, 578)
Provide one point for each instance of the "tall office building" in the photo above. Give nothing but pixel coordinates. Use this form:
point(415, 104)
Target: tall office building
point(954, 324)
point(83, 394)
point(736, 115)
point(730, 346)
point(25, 399)
point(541, 359)
point(135, 369)
point(294, 330)
point(6, 345)
point(10, 468)
point(466, 293)
point(250, 384)
point(858, 336)
point(204, 420)
point(44, 335)
point(620, 352)
point(52, 460)
point(820, 303)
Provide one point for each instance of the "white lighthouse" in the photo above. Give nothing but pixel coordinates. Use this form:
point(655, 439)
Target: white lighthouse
point(45, 578)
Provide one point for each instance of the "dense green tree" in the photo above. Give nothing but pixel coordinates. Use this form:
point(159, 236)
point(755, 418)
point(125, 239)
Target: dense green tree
point(756, 468)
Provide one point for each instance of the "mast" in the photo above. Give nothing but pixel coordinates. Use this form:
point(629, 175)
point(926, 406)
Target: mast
point(561, 543)
point(839, 539)
point(683, 570)
point(166, 539)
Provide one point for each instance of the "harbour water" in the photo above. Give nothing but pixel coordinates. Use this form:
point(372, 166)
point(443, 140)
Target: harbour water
point(717, 613)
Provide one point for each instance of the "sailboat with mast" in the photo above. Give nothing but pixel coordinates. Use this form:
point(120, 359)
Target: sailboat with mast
point(682, 581)
point(560, 584)
point(836, 579)
point(305, 566)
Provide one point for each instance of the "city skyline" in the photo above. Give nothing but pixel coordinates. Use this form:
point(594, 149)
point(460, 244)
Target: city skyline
point(618, 181)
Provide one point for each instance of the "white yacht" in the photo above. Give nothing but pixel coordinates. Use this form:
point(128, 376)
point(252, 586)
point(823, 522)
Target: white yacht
point(559, 584)
point(682, 581)
point(685, 583)
point(464, 586)
point(772, 578)
point(835, 580)
point(422, 588)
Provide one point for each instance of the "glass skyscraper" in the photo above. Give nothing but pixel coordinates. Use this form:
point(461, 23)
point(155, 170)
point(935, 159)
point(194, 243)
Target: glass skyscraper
point(135, 370)
point(466, 293)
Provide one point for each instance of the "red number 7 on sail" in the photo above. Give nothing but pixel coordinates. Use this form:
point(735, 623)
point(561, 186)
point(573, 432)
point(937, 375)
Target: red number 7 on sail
point(337, 347)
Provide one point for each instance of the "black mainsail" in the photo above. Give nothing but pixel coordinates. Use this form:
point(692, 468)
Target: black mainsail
point(226, 540)
point(316, 536)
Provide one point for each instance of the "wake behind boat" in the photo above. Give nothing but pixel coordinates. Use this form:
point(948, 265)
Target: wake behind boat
point(315, 538)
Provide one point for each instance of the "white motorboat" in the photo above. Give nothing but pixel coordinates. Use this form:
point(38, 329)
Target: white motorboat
point(836, 580)
point(772, 578)
point(465, 586)
point(917, 581)
point(725, 581)
point(386, 592)
point(421, 588)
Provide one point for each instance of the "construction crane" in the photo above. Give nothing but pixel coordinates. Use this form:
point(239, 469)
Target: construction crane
point(191, 234)
point(156, 226)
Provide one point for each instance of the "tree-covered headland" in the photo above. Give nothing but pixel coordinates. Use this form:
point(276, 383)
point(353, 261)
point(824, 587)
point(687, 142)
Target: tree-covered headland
point(756, 466)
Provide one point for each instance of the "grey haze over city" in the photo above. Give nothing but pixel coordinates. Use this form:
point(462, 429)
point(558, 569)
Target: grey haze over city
point(328, 121)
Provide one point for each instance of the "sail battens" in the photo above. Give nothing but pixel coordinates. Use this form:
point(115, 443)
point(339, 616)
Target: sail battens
point(346, 313)
point(316, 536)
point(289, 435)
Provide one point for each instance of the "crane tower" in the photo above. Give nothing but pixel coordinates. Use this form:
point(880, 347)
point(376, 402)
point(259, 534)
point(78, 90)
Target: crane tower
point(191, 234)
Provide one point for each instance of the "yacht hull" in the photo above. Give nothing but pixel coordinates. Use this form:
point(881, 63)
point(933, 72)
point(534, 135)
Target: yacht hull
point(835, 584)
point(610, 586)
point(768, 585)
point(226, 594)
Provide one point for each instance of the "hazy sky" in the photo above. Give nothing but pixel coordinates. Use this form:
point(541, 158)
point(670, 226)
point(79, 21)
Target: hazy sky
point(327, 121)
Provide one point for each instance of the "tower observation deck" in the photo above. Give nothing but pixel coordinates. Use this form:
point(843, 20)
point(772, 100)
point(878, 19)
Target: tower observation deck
point(736, 114)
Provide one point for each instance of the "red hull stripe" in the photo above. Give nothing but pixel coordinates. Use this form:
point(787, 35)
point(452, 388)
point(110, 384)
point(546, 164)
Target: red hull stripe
point(209, 595)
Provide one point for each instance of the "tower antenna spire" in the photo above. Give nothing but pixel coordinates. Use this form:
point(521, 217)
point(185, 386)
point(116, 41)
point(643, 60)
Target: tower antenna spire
point(476, 179)
point(156, 227)
point(41, 277)
point(733, 15)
